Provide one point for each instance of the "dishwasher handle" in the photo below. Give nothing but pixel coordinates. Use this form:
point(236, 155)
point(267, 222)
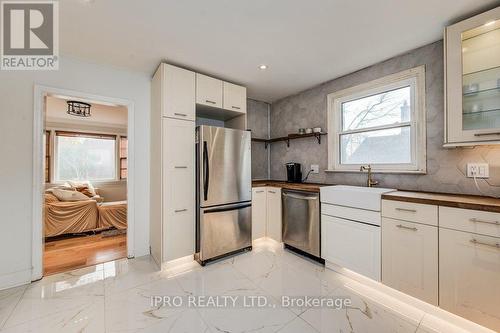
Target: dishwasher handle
point(300, 197)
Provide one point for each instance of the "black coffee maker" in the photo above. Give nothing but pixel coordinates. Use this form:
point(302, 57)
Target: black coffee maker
point(293, 172)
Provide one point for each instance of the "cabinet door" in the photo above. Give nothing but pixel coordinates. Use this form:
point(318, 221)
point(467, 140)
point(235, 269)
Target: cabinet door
point(259, 212)
point(235, 97)
point(274, 213)
point(410, 258)
point(178, 95)
point(469, 276)
point(353, 245)
point(472, 79)
point(208, 91)
point(178, 196)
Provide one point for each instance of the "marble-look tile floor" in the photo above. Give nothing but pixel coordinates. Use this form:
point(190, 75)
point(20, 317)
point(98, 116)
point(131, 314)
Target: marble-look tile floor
point(116, 297)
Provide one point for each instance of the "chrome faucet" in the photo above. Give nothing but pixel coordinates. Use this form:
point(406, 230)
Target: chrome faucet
point(370, 181)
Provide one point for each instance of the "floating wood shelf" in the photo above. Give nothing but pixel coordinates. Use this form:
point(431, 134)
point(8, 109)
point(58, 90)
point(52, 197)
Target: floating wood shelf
point(290, 137)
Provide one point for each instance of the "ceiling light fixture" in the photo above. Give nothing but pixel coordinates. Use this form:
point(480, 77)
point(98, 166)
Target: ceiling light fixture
point(487, 24)
point(263, 67)
point(79, 109)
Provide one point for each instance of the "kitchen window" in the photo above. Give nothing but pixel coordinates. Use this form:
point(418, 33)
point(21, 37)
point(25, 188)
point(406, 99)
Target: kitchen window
point(381, 123)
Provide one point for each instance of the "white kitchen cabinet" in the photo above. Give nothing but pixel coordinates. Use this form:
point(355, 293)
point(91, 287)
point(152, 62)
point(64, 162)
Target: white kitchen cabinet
point(266, 213)
point(178, 92)
point(410, 258)
point(350, 244)
point(469, 276)
point(178, 196)
point(274, 221)
point(259, 212)
point(472, 72)
point(209, 91)
point(234, 97)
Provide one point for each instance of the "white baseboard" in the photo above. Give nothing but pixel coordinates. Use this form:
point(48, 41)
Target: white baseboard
point(15, 279)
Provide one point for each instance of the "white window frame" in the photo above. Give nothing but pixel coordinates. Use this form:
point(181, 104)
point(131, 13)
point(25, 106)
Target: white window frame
point(415, 79)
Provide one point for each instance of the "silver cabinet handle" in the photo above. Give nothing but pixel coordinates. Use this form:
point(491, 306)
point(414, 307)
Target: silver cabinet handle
point(273, 192)
point(179, 210)
point(486, 134)
point(180, 167)
point(209, 101)
point(236, 107)
point(405, 227)
point(475, 241)
point(180, 114)
point(485, 222)
point(406, 210)
point(261, 191)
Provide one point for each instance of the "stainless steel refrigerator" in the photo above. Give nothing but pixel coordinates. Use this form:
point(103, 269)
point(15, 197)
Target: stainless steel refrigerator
point(224, 192)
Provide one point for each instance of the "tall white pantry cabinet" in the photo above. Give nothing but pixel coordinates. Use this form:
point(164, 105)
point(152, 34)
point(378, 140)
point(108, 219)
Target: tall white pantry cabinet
point(173, 112)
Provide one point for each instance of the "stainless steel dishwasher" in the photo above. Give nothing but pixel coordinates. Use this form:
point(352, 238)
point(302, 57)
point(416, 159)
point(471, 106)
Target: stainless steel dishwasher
point(301, 225)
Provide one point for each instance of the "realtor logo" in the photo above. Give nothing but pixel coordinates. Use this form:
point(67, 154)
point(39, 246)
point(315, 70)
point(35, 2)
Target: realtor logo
point(30, 35)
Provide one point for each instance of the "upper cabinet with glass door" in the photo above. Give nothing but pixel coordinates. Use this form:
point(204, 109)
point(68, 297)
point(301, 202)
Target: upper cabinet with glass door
point(472, 55)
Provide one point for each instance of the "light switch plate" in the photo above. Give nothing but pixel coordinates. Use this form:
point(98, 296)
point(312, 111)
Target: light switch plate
point(314, 168)
point(479, 170)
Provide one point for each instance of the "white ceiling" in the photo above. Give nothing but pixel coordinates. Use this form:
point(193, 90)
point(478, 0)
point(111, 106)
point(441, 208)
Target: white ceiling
point(304, 42)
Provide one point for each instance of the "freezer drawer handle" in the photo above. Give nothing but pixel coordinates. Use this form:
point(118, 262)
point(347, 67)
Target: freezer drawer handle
point(406, 210)
point(483, 221)
point(407, 228)
point(180, 210)
point(475, 241)
point(299, 197)
point(180, 114)
point(206, 171)
point(226, 209)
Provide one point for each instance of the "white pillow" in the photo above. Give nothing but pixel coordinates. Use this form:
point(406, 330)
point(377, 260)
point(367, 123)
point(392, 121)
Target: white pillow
point(76, 185)
point(65, 195)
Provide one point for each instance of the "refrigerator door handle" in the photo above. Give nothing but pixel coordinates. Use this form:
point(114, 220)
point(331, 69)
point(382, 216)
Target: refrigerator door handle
point(206, 171)
point(227, 208)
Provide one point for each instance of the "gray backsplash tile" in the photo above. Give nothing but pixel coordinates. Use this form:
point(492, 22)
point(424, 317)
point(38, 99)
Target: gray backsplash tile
point(446, 167)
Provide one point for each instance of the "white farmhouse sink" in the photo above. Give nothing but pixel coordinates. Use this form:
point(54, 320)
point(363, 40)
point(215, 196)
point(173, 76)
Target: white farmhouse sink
point(353, 196)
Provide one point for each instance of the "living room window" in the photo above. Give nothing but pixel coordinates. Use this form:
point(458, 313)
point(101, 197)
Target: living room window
point(123, 157)
point(85, 157)
point(381, 123)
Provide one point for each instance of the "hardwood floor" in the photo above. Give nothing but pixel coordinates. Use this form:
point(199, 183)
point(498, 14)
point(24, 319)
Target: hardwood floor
point(68, 253)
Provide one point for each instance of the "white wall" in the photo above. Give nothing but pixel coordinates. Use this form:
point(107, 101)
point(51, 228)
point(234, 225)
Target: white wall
point(16, 151)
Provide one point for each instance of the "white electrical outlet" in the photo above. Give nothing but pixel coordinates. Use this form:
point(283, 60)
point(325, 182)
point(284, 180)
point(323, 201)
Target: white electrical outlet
point(478, 170)
point(314, 168)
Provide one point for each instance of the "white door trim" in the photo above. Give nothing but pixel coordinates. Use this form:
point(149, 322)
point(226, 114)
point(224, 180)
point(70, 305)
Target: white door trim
point(40, 91)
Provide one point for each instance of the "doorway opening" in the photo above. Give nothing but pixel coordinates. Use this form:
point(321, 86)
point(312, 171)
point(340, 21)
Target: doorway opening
point(84, 181)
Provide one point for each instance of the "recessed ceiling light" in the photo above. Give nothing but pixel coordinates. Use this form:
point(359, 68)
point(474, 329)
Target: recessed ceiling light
point(263, 67)
point(489, 23)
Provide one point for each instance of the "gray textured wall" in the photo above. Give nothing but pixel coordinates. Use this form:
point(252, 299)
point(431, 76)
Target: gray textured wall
point(257, 119)
point(445, 167)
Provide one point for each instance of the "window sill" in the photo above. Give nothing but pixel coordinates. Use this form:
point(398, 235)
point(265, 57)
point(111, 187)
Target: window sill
point(408, 172)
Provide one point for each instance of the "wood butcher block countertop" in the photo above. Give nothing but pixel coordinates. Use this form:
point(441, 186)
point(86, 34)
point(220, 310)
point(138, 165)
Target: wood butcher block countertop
point(450, 200)
point(308, 187)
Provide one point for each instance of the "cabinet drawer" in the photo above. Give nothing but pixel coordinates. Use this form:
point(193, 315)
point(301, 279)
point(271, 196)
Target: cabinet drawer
point(408, 211)
point(476, 221)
